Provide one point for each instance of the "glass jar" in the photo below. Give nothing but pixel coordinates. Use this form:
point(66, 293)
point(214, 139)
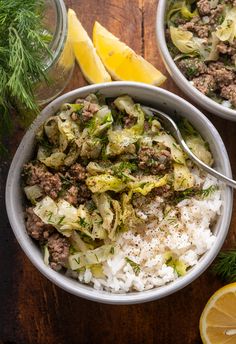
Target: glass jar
point(60, 63)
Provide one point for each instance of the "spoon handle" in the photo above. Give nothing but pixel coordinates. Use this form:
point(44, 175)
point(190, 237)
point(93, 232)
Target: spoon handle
point(170, 125)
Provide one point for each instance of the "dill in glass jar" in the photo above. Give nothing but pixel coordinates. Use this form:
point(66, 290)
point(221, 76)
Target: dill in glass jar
point(59, 63)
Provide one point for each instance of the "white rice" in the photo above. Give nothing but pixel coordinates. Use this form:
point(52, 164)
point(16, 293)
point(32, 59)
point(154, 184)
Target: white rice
point(185, 231)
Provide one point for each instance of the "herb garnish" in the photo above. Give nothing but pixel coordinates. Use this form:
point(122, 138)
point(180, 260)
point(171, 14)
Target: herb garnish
point(188, 193)
point(23, 44)
point(135, 266)
point(225, 266)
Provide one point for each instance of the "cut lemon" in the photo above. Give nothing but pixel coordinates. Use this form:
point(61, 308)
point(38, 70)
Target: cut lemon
point(85, 53)
point(218, 319)
point(121, 61)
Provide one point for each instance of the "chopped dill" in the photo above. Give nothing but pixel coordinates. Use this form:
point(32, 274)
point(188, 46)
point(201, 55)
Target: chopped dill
point(188, 193)
point(135, 266)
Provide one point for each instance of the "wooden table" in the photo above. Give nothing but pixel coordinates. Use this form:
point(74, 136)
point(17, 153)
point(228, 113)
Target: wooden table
point(32, 309)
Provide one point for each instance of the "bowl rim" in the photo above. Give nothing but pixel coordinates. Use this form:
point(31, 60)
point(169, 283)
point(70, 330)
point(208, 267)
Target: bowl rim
point(75, 287)
point(178, 77)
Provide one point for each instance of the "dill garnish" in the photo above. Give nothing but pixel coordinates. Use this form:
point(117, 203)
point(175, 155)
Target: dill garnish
point(225, 266)
point(23, 45)
point(188, 193)
point(135, 266)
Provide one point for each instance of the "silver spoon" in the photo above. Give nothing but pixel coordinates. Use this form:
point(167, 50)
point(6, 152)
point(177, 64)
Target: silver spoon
point(171, 126)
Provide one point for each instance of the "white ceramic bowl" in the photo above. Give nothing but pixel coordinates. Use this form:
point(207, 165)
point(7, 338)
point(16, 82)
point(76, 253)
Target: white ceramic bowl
point(155, 97)
point(193, 93)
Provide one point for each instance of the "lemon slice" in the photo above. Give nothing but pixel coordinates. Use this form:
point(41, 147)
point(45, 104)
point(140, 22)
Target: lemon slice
point(121, 61)
point(218, 319)
point(67, 57)
point(85, 53)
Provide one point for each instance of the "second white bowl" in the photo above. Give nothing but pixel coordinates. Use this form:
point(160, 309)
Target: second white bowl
point(193, 93)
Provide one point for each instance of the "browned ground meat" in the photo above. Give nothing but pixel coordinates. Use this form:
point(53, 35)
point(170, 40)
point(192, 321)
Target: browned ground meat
point(229, 92)
point(216, 13)
point(35, 226)
point(51, 184)
point(196, 26)
point(233, 2)
point(156, 160)
point(58, 247)
point(192, 67)
point(204, 7)
point(71, 195)
point(130, 121)
point(39, 175)
point(165, 192)
point(33, 174)
point(84, 194)
point(222, 76)
point(77, 172)
point(88, 110)
point(205, 83)
point(225, 48)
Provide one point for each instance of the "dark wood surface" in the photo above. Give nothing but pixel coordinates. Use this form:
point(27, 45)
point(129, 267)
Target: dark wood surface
point(32, 309)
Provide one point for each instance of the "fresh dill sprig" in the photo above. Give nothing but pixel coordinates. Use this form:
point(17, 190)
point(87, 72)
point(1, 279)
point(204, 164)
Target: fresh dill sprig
point(135, 266)
point(188, 193)
point(225, 266)
point(23, 47)
point(204, 193)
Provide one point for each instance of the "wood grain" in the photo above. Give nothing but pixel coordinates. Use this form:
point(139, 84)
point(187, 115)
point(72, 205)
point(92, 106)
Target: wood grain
point(35, 311)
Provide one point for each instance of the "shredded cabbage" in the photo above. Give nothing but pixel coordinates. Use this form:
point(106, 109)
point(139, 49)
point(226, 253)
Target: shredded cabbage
point(227, 30)
point(64, 216)
point(105, 182)
point(176, 152)
point(183, 178)
point(121, 140)
point(145, 184)
point(33, 193)
point(91, 257)
point(183, 40)
point(54, 160)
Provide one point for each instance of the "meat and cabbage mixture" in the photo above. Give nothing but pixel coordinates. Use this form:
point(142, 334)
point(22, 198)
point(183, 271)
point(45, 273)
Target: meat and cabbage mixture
point(105, 183)
point(201, 36)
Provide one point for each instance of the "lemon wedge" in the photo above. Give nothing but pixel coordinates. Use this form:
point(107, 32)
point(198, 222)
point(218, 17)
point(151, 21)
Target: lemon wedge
point(218, 319)
point(85, 53)
point(121, 61)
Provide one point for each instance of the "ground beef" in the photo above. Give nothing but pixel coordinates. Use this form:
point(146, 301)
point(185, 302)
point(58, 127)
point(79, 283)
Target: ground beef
point(33, 174)
point(84, 194)
point(77, 172)
point(39, 175)
point(194, 25)
point(156, 160)
point(222, 76)
point(35, 226)
point(58, 247)
point(192, 67)
point(89, 109)
point(216, 13)
point(164, 191)
point(204, 7)
point(130, 120)
point(205, 83)
point(225, 48)
point(229, 92)
point(71, 195)
point(52, 185)
point(233, 2)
